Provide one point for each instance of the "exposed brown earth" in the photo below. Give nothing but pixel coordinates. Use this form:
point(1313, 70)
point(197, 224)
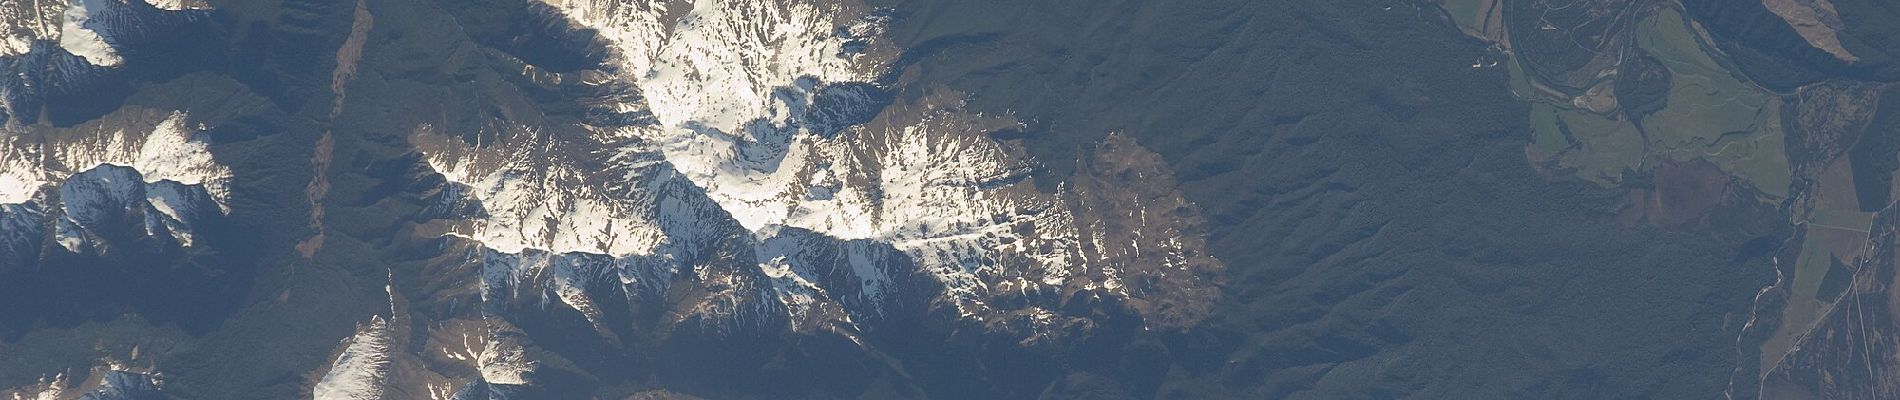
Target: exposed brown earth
point(346, 58)
point(1816, 21)
point(318, 188)
point(1683, 192)
point(350, 53)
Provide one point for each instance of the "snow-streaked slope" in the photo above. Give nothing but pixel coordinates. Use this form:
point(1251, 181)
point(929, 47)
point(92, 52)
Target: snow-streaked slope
point(772, 130)
point(732, 83)
point(745, 93)
point(490, 347)
point(153, 168)
point(48, 388)
point(362, 368)
point(562, 214)
point(28, 21)
point(77, 35)
point(72, 25)
point(536, 191)
point(161, 146)
point(179, 4)
point(375, 363)
point(66, 49)
point(111, 381)
point(117, 384)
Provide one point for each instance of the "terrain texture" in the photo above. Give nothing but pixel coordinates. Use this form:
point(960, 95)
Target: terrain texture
point(631, 199)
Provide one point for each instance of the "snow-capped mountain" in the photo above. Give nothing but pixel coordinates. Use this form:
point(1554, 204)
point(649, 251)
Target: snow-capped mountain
point(131, 173)
point(361, 370)
point(760, 162)
point(86, 28)
point(461, 359)
point(746, 173)
point(136, 173)
point(58, 48)
point(110, 381)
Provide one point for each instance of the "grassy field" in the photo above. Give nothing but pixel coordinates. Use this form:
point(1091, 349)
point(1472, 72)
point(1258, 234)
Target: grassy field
point(1546, 135)
point(1604, 147)
point(1481, 18)
point(1836, 230)
point(1710, 112)
point(1822, 246)
point(1760, 157)
point(1811, 265)
point(1467, 13)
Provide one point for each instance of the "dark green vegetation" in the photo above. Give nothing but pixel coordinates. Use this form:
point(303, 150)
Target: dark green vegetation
point(1642, 86)
point(1368, 188)
point(1873, 156)
point(1767, 49)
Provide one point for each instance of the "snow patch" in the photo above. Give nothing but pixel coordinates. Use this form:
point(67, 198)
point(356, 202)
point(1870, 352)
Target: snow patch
point(504, 363)
point(81, 40)
point(100, 171)
point(359, 371)
point(176, 5)
point(766, 119)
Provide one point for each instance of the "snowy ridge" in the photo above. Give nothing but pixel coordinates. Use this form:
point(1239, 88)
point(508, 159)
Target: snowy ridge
point(73, 48)
point(535, 196)
point(375, 363)
point(772, 146)
point(175, 5)
point(170, 149)
point(489, 347)
point(561, 216)
point(805, 268)
point(154, 168)
point(78, 34)
point(504, 362)
point(731, 83)
point(717, 64)
point(72, 25)
point(124, 385)
point(740, 90)
point(28, 21)
point(111, 381)
point(359, 372)
point(48, 388)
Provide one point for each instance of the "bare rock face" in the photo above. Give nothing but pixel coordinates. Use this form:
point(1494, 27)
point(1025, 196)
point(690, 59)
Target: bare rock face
point(1816, 21)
